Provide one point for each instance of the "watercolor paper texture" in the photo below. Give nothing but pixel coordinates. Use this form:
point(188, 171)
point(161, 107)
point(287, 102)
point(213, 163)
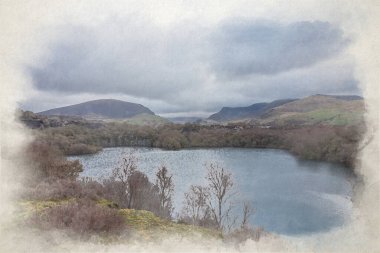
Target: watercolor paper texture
point(182, 60)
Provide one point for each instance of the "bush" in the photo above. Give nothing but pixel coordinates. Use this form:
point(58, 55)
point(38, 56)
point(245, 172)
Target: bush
point(83, 217)
point(92, 189)
point(130, 188)
point(143, 194)
point(115, 191)
point(55, 190)
point(243, 234)
point(46, 161)
point(51, 189)
point(138, 193)
point(81, 149)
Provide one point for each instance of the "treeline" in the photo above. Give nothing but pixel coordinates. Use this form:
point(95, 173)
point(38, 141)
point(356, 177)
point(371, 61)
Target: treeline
point(329, 143)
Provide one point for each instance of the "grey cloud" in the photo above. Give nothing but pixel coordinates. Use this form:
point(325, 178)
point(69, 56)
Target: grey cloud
point(192, 67)
point(260, 47)
point(334, 76)
point(124, 56)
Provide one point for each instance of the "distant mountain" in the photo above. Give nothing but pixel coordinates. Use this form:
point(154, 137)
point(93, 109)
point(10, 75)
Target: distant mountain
point(316, 109)
point(184, 120)
point(33, 120)
point(348, 98)
point(101, 109)
point(252, 111)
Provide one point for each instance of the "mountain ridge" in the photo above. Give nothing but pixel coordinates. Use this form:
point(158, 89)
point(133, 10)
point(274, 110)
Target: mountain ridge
point(251, 111)
point(314, 109)
point(100, 109)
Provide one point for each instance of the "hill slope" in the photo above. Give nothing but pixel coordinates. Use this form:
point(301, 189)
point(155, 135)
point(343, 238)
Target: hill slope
point(101, 109)
point(316, 109)
point(252, 111)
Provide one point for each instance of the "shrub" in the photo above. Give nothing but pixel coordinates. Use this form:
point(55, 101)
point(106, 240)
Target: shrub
point(138, 193)
point(55, 190)
point(115, 191)
point(243, 234)
point(92, 189)
point(82, 217)
point(130, 188)
point(143, 194)
point(46, 161)
point(52, 189)
point(81, 149)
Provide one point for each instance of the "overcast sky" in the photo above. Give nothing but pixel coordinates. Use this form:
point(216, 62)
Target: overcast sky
point(192, 59)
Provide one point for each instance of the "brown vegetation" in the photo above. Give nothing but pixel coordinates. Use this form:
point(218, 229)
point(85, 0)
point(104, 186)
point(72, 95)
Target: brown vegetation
point(165, 187)
point(82, 217)
point(46, 161)
point(54, 178)
point(220, 186)
point(241, 235)
point(329, 143)
point(196, 210)
point(86, 207)
point(130, 188)
point(211, 206)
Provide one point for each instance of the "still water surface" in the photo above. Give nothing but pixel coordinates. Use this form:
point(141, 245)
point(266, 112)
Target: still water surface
point(290, 196)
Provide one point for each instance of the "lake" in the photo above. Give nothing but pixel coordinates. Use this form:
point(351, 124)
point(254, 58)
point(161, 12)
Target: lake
point(291, 196)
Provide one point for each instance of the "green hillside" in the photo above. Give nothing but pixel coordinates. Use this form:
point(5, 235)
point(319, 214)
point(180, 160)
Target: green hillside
point(317, 110)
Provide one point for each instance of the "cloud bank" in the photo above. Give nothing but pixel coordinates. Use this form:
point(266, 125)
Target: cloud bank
point(244, 47)
point(193, 66)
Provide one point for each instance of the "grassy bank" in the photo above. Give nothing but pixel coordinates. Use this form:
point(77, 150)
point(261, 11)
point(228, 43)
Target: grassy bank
point(140, 224)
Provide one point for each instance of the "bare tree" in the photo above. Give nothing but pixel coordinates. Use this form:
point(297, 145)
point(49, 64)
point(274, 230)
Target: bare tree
point(130, 188)
point(165, 186)
point(123, 173)
point(220, 185)
point(196, 205)
point(143, 193)
point(246, 230)
point(248, 211)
